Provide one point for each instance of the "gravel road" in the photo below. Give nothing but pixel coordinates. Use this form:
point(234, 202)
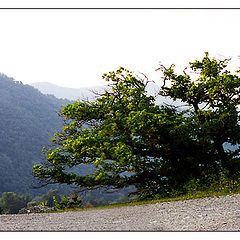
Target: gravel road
point(208, 214)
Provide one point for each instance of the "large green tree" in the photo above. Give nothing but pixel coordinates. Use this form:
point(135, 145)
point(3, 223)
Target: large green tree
point(131, 141)
point(124, 135)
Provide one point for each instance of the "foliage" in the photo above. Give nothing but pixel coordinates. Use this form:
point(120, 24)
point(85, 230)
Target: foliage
point(12, 203)
point(1, 210)
point(213, 99)
point(45, 199)
point(212, 184)
point(43, 203)
point(129, 139)
point(74, 201)
point(157, 149)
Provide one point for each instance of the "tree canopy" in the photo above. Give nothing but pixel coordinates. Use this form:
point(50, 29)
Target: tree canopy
point(213, 98)
point(129, 140)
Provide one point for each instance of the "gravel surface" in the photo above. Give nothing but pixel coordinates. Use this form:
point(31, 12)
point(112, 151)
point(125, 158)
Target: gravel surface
point(207, 214)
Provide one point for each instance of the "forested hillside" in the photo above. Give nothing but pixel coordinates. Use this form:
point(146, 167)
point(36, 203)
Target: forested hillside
point(28, 120)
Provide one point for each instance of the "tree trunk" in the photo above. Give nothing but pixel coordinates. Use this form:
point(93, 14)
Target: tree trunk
point(222, 154)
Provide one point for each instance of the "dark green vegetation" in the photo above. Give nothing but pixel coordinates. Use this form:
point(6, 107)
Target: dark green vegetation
point(161, 150)
point(27, 119)
point(74, 201)
point(11, 202)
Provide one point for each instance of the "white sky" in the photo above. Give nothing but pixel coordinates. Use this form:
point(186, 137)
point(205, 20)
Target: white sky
point(73, 48)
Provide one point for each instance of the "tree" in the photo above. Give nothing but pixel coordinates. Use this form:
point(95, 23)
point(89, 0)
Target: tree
point(129, 140)
point(158, 149)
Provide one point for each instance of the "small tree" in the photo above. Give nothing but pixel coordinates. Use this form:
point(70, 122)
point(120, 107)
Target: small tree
point(12, 202)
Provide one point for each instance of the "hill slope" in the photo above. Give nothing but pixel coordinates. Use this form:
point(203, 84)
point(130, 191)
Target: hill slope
point(28, 120)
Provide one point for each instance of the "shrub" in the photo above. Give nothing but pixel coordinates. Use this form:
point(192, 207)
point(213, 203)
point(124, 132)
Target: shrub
point(73, 201)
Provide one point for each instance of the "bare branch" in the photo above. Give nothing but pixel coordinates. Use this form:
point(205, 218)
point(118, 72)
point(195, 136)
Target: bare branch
point(184, 71)
point(145, 80)
point(163, 69)
point(180, 106)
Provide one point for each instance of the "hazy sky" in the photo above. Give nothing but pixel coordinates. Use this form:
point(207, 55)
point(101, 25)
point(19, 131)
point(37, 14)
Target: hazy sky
point(73, 48)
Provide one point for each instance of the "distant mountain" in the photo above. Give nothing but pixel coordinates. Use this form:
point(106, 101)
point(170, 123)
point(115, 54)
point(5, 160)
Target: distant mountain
point(68, 93)
point(28, 119)
point(89, 93)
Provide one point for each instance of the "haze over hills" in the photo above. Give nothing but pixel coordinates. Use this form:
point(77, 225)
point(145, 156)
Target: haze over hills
point(89, 93)
point(68, 93)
